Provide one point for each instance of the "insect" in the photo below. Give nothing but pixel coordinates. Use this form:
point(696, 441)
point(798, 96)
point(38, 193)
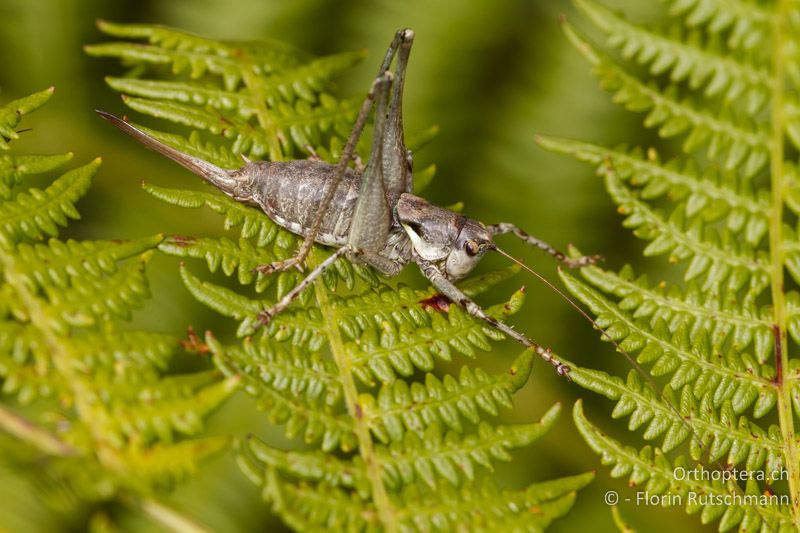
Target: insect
point(369, 216)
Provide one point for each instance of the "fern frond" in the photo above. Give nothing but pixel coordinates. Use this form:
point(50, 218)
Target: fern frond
point(748, 23)
point(175, 404)
point(140, 351)
point(14, 168)
point(236, 214)
point(164, 465)
point(298, 390)
point(669, 350)
point(35, 213)
point(685, 57)
point(736, 140)
point(486, 508)
point(415, 459)
point(713, 195)
point(417, 452)
point(119, 293)
point(285, 478)
point(450, 401)
point(712, 353)
point(723, 433)
point(106, 421)
point(741, 323)
point(393, 351)
point(716, 257)
point(481, 505)
point(240, 257)
point(186, 52)
point(230, 84)
point(655, 473)
point(60, 262)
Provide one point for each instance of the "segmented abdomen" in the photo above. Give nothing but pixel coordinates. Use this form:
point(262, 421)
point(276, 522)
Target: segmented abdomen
point(290, 192)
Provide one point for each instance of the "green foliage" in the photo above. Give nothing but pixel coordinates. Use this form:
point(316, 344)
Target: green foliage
point(718, 387)
point(350, 368)
point(87, 408)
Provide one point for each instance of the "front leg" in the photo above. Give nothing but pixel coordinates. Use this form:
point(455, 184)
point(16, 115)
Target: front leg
point(561, 257)
point(447, 288)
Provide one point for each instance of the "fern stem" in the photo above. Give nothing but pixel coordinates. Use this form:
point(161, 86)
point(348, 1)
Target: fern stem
point(365, 445)
point(27, 431)
point(785, 412)
point(163, 515)
point(622, 526)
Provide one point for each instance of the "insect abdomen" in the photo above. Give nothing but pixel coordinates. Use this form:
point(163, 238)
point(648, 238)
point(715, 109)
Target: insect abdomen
point(290, 192)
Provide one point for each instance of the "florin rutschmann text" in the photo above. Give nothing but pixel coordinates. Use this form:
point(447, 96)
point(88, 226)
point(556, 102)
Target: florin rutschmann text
point(707, 496)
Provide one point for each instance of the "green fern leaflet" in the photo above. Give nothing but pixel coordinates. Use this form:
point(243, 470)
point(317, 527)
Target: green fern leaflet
point(350, 370)
point(720, 390)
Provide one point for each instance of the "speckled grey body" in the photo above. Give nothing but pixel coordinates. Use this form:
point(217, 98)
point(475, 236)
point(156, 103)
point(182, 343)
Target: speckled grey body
point(289, 192)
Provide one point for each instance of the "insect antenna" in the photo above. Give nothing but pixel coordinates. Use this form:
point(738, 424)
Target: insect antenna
point(641, 371)
point(578, 308)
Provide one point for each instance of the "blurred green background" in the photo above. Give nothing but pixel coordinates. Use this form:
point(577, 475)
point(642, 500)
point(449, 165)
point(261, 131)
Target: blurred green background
point(489, 73)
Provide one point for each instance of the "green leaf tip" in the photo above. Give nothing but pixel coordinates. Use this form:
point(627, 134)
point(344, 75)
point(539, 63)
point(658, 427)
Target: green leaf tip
point(520, 371)
point(11, 114)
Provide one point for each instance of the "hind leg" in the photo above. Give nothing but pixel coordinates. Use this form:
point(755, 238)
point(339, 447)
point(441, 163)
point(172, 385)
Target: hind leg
point(402, 41)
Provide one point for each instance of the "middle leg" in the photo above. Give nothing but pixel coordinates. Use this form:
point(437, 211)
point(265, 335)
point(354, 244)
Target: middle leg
point(266, 315)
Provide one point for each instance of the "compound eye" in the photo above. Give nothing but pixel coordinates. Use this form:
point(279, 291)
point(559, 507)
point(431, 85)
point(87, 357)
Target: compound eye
point(471, 247)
